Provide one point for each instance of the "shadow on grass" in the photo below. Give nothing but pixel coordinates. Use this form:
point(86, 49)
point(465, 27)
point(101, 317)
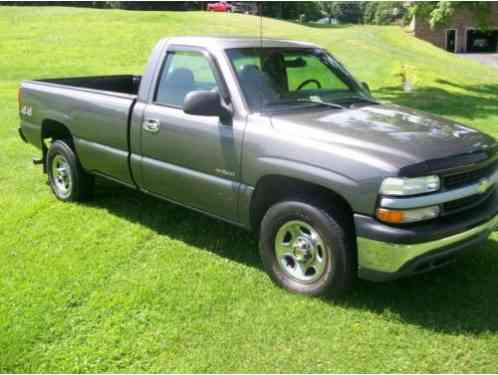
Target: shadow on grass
point(178, 223)
point(470, 102)
point(461, 298)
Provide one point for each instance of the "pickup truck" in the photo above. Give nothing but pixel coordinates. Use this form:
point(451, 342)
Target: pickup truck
point(277, 137)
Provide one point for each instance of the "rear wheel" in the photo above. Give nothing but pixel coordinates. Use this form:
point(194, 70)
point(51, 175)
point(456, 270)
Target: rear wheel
point(306, 249)
point(67, 179)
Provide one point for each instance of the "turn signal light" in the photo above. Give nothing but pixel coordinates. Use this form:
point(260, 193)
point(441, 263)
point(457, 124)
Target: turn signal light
point(407, 216)
point(390, 216)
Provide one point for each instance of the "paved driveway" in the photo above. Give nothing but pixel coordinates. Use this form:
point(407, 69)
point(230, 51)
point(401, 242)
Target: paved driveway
point(484, 58)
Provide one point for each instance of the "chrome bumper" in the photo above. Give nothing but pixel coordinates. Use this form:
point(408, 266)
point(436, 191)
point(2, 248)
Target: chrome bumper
point(388, 258)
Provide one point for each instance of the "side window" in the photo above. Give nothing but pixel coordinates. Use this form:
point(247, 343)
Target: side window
point(182, 73)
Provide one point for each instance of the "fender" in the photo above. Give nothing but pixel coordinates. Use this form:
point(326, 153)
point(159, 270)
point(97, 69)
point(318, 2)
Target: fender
point(356, 194)
point(307, 172)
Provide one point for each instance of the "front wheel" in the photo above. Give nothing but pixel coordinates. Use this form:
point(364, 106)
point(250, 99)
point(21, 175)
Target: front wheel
point(67, 179)
point(307, 250)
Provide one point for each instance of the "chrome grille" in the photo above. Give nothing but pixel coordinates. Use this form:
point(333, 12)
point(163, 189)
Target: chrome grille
point(462, 179)
point(454, 181)
point(466, 203)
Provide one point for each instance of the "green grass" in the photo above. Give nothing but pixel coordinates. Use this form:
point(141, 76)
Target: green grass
point(128, 283)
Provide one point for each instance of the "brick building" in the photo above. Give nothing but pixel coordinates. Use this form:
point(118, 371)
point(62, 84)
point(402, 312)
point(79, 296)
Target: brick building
point(461, 34)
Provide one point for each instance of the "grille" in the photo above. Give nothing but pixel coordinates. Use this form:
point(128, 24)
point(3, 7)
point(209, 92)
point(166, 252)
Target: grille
point(463, 203)
point(466, 178)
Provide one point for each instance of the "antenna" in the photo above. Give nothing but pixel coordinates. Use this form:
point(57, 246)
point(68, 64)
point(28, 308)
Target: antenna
point(260, 6)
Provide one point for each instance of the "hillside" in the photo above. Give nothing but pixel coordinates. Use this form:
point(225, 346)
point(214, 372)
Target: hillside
point(128, 283)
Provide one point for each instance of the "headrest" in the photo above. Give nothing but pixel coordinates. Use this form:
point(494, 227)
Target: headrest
point(250, 71)
point(181, 77)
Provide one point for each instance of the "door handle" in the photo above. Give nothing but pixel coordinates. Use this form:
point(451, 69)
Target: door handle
point(151, 125)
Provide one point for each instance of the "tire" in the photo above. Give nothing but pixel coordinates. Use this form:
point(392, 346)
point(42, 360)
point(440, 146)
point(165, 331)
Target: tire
point(307, 250)
point(67, 179)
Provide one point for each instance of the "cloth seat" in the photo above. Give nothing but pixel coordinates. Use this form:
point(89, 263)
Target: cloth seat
point(257, 86)
point(177, 85)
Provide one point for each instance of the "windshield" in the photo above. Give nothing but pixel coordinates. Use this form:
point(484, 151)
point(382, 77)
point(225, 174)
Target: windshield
point(271, 78)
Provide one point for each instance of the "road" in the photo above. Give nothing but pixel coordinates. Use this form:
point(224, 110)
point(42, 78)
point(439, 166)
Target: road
point(490, 59)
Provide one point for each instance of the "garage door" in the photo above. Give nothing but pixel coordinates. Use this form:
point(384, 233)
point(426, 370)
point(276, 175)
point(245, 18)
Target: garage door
point(482, 41)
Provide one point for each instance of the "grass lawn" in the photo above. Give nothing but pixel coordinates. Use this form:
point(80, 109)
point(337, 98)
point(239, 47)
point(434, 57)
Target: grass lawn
point(128, 283)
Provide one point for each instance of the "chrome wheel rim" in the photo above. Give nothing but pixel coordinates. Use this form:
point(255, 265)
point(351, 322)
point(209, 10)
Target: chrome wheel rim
point(300, 251)
point(61, 176)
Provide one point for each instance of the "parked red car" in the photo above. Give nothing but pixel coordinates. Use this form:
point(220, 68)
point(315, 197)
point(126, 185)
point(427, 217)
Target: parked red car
point(221, 6)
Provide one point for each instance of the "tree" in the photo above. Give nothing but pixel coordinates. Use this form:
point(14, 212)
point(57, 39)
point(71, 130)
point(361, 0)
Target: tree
point(384, 12)
point(388, 12)
point(438, 13)
point(311, 9)
point(291, 10)
point(343, 11)
point(369, 12)
point(331, 9)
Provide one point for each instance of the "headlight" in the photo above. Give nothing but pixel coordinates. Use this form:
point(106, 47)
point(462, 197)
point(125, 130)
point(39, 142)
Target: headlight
point(407, 216)
point(410, 186)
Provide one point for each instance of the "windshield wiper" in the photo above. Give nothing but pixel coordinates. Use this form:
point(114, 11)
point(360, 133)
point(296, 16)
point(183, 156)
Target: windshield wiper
point(305, 101)
point(328, 104)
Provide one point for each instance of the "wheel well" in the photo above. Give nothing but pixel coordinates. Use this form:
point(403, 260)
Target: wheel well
point(53, 130)
point(273, 189)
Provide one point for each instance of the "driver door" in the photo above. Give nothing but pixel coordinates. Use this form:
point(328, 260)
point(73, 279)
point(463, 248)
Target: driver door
point(191, 160)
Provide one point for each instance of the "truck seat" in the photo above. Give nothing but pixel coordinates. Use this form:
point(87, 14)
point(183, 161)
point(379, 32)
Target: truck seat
point(177, 85)
point(257, 86)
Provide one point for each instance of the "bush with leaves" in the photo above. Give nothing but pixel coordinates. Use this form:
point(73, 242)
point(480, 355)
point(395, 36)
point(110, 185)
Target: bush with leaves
point(438, 13)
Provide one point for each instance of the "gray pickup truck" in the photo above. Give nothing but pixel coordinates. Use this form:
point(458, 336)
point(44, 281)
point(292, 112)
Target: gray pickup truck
point(275, 136)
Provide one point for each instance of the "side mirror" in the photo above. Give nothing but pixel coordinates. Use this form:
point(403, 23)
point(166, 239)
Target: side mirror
point(366, 87)
point(205, 103)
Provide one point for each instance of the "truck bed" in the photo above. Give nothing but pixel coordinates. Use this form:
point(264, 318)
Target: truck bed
point(95, 110)
point(122, 84)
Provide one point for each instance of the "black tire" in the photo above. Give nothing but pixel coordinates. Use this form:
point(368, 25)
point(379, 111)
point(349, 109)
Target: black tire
point(337, 276)
point(81, 183)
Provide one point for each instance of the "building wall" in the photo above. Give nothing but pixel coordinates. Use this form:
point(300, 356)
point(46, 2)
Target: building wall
point(461, 21)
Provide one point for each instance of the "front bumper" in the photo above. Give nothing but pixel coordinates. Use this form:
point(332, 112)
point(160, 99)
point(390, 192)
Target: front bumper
point(386, 252)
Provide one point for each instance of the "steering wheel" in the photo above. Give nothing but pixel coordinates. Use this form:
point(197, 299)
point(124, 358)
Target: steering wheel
point(318, 85)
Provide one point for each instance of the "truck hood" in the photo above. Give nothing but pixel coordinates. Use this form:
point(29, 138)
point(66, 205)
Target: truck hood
point(393, 134)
